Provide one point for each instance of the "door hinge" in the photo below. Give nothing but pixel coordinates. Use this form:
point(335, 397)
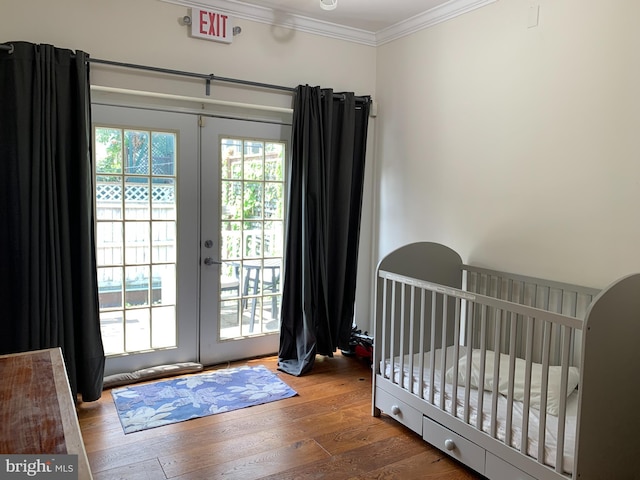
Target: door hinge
point(201, 121)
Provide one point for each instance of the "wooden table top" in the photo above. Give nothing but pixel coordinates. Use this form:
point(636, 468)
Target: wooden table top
point(37, 411)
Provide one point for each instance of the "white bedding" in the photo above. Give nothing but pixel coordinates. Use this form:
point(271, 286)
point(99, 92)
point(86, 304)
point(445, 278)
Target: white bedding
point(516, 426)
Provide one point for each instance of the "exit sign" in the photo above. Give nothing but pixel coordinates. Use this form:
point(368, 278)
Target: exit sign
point(211, 25)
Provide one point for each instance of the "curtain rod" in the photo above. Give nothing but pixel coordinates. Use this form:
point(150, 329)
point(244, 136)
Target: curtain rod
point(209, 101)
point(208, 78)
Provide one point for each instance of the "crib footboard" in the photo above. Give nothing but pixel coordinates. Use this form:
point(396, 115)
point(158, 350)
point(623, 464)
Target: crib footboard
point(489, 376)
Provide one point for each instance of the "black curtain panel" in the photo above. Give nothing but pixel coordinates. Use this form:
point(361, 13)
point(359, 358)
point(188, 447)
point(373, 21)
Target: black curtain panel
point(49, 292)
point(323, 226)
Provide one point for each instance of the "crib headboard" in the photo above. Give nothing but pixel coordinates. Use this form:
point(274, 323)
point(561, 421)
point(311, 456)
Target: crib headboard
point(426, 261)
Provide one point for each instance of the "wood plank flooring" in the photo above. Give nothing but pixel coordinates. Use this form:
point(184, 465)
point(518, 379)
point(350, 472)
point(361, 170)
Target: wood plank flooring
point(326, 431)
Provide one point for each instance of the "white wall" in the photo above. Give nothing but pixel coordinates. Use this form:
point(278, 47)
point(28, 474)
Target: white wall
point(516, 146)
point(147, 32)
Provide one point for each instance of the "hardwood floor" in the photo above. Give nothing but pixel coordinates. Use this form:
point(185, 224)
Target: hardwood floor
point(326, 431)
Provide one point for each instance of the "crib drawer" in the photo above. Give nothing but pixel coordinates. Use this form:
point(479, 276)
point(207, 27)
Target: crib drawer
point(498, 468)
point(400, 411)
point(454, 445)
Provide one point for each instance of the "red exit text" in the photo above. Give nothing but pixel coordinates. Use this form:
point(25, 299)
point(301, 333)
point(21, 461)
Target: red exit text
point(211, 25)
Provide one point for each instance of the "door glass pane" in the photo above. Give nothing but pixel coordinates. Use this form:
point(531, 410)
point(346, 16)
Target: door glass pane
point(136, 152)
point(252, 235)
point(136, 205)
point(163, 198)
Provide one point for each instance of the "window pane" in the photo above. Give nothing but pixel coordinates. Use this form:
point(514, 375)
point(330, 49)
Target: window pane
point(110, 287)
point(110, 244)
point(253, 160)
point(164, 284)
point(271, 269)
point(274, 162)
point(163, 198)
point(136, 292)
point(230, 318)
point(253, 200)
point(231, 159)
point(231, 248)
point(137, 197)
point(108, 197)
point(252, 239)
point(163, 327)
point(164, 242)
point(255, 309)
point(273, 239)
point(273, 200)
point(137, 330)
point(136, 152)
point(163, 153)
point(112, 329)
point(108, 150)
point(136, 237)
point(231, 198)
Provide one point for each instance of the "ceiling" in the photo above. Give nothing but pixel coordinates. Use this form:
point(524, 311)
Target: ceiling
point(370, 22)
point(368, 15)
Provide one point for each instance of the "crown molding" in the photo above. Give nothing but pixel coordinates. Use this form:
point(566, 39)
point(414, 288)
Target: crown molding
point(255, 13)
point(427, 19)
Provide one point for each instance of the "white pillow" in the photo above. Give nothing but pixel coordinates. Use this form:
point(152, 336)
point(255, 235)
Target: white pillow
point(553, 388)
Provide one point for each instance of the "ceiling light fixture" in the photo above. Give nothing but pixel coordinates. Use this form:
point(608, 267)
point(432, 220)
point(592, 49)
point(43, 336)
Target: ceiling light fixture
point(328, 4)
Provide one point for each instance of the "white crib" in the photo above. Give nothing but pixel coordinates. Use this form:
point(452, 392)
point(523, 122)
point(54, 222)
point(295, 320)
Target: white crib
point(552, 368)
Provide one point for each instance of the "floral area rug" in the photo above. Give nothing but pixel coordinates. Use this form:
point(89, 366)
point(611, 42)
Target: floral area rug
point(150, 405)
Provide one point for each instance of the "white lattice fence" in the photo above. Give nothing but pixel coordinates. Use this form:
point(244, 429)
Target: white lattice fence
point(112, 192)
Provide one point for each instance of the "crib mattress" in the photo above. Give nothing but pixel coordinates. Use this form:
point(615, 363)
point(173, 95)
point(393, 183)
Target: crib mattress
point(515, 440)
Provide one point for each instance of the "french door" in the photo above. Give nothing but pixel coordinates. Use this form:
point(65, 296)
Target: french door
point(189, 222)
point(242, 222)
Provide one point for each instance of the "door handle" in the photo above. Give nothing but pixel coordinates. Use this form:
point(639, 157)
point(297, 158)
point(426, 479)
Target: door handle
point(211, 261)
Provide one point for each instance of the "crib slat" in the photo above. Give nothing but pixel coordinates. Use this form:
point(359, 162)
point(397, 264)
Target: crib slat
point(512, 368)
point(432, 352)
point(573, 311)
point(412, 303)
point(401, 340)
point(385, 322)
point(546, 347)
point(456, 357)
point(524, 440)
point(421, 359)
point(555, 305)
point(443, 351)
point(496, 374)
point(521, 321)
point(469, 344)
point(562, 411)
point(392, 342)
point(483, 357)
